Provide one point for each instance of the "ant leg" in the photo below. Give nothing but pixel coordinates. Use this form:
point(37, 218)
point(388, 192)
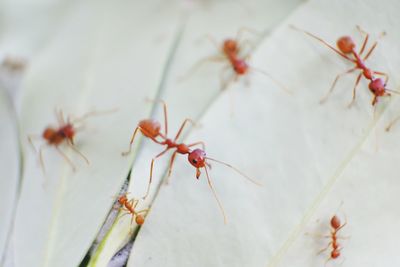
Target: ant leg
point(240, 34)
point(343, 225)
point(225, 84)
point(249, 44)
point(131, 142)
point(92, 113)
point(143, 211)
point(324, 249)
point(60, 116)
point(171, 163)
point(151, 171)
point(198, 143)
point(201, 62)
point(30, 140)
point(183, 126)
point(165, 112)
point(221, 76)
point(130, 202)
point(122, 215)
point(354, 90)
point(66, 158)
point(322, 41)
point(392, 123)
point(374, 100)
point(135, 203)
point(365, 40)
point(41, 159)
point(211, 39)
point(384, 75)
point(77, 151)
point(317, 235)
point(334, 84)
point(328, 260)
point(374, 46)
point(244, 30)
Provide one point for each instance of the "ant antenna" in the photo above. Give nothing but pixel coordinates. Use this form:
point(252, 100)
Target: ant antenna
point(93, 113)
point(236, 170)
point(393, 91)
point(278, 83)
point(215, 195)
point(322, 41)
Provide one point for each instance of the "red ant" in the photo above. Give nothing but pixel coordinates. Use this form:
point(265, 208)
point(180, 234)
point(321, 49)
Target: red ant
point(347, 50)
point(197, 157)
point(230, 51)
point(14, 63)
point(129, 207)
point(336, 226)
point(64, 133)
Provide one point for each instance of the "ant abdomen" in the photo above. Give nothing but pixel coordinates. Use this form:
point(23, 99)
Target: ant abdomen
point(335, 254)
point(335, 222)
point(346, 44)
point(150, 128)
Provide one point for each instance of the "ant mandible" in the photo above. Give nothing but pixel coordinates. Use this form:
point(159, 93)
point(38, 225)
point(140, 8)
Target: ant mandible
point(129, 206)
point(231, 51)
point(347, 50)
point(64, 133)
point(197, 157)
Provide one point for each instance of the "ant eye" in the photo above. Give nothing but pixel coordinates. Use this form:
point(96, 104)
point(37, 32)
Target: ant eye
point(194, 161)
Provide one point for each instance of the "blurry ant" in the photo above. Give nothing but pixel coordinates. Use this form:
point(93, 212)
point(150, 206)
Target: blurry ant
point(197, 157)
point(336, 226)
point(13, 63)
point(129, 207)
point(231, 51)
point(347, 50)
point(63, 133)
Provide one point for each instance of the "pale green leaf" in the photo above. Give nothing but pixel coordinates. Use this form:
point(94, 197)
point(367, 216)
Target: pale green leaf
point(10, 166)
point(310, 157)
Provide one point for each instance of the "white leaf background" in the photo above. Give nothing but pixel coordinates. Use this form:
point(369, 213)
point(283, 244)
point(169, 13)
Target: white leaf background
point(10, 166)
point(102, 55)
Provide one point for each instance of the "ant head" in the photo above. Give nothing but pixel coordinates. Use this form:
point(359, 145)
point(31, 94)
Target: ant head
point(345, 44)
point(139, 219)
point(150, 128)
point(377, 87)
point(230, 46)
point(122, 199)
point(335, 253)
point(335, 222)
point(68, 131)
point(49, 133)
point(240, 67)
point(198, 159)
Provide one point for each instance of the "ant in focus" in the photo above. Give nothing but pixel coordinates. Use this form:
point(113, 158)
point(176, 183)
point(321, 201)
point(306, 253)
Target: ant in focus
point(347, 50)
point(64, 133)
point(231, 51)
point(197, 157)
